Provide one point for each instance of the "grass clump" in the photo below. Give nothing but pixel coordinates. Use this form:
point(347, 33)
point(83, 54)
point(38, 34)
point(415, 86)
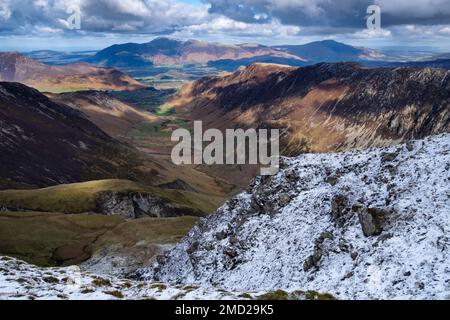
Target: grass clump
point(274, 295)
point(161, 287)
point(313, 295)
point(51, 280)
point(101, 282)
point(245, 296)
point(296, 295)
point(115, 293)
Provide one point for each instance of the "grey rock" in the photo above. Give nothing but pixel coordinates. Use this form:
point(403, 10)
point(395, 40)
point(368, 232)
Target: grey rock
point(339, 208)
point(372, 220)
point(133, 205)
point(284, 199)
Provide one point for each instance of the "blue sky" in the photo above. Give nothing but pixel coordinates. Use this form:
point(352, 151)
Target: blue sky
point(43, 24)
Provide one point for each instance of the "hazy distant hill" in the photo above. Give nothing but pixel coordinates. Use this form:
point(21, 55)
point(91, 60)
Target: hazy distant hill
point(332, 51)
point(58, 58)
point(15, 67)
point(439, 63)
point(164, 51)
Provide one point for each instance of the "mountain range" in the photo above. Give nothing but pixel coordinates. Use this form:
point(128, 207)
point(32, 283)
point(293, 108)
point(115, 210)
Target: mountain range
point(324, 107)
point(164, 51)
point(358, 211)
point(161, 53)
point(333, 51)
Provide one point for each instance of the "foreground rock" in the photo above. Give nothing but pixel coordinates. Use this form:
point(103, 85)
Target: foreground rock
point(21, 281)
point(372, 224)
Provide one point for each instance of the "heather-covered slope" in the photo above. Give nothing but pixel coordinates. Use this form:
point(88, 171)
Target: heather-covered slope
point(112, 115)
point(370, 224)
point(43, 143)
point(325, 107)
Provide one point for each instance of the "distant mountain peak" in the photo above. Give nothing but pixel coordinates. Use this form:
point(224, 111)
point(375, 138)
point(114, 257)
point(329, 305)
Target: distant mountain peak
point(166, 51)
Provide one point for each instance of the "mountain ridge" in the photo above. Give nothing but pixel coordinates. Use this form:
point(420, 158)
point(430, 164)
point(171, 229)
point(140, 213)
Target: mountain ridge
point(44, 143)
point(355, 106)
point(166, 51)
point(358, 225)
point(15, 67)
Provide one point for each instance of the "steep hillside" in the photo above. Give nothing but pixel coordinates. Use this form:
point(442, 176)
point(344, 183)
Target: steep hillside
point(72, 77)
point(371, 224)
point(21, 281)
point(164, 51)
point(44, 143)
point(332, 51)
point(100, 241)
point(109, 113)
point(325, 107)
point(438, 63)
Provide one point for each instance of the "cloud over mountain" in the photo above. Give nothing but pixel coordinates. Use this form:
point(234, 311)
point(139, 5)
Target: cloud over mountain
point(269, 19)
point(348, 14)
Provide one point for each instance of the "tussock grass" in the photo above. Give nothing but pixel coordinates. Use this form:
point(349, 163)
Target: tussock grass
point(51, 239)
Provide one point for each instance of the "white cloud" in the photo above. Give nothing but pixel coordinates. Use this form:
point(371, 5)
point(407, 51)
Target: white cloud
point(223, 25)
point(267, 21)
point(5, 13)
point(372, 34)
point(445, 30)
point(415, 8)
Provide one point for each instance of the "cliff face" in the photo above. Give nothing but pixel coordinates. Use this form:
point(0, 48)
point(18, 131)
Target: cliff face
point(371, 224)
point(325, 107)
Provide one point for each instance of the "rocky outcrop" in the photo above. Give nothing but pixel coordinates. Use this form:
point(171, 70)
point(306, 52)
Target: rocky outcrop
point(378, 229)
point(133, 205)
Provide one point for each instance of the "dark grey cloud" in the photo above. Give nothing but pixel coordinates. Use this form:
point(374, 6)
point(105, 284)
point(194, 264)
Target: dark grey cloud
point(232, 18)
point(117, 16)
point(333, 13)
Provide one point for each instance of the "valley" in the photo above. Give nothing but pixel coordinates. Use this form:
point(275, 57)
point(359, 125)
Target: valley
point(86, 176)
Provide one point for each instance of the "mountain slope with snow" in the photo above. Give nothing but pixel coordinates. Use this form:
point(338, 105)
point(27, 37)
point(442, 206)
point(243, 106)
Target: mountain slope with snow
point(21, 281)
point(372, 224)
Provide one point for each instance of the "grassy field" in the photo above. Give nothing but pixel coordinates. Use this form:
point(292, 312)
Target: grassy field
point(147, 99)
point(50, 239)
point(149, 129)
point(80, 197)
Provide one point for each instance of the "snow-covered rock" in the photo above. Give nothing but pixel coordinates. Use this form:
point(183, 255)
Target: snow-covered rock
point(370, 224)
point(21, 281)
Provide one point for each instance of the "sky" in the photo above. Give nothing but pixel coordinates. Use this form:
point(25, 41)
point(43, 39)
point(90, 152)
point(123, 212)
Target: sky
point(27, 25)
